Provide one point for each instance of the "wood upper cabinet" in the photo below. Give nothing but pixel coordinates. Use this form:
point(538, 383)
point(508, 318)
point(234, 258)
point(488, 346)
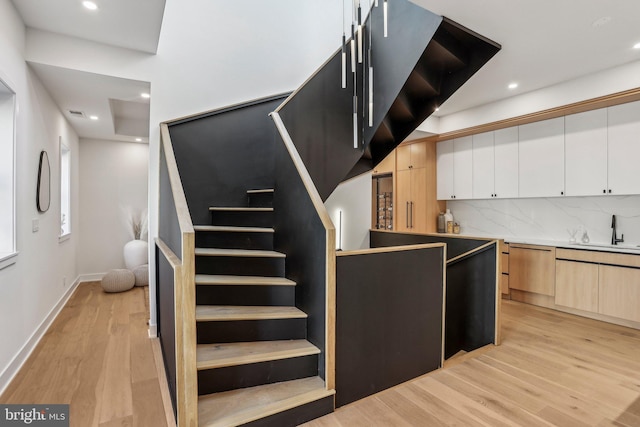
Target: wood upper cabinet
point(577, 285)
point(541, 158)
point(412, 156)
point(532, 268)
point(387, 165)
point(623, 134)
point(416, 208)
point(454, 168)
point(586, 153)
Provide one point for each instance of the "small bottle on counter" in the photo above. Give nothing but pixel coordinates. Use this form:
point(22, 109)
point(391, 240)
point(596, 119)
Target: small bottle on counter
point(448, 217)
point(442, 223)
point(456, 228)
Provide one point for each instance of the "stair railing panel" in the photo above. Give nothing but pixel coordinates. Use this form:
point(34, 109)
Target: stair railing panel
point(176, 236)
point(305, 232)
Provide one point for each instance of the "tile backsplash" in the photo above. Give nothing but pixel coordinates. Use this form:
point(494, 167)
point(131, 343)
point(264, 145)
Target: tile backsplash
point(549, 218)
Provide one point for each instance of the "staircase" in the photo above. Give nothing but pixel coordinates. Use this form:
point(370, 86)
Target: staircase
point(255, 365)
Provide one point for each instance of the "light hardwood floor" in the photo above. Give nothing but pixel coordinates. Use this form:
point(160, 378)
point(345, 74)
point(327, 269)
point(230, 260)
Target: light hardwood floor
point(552, 369)
point(97, 357)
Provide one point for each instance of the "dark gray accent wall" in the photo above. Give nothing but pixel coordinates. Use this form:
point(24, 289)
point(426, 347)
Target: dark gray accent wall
point(222, 154)
point(319, 117)
point(300, 234)
point(388, 320)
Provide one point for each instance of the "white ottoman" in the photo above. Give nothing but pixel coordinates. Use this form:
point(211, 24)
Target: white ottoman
point(118, 281)
point(142, 275)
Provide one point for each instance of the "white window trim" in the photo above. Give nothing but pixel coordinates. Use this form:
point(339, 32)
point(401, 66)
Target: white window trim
point(63, 147)
point(9, 258)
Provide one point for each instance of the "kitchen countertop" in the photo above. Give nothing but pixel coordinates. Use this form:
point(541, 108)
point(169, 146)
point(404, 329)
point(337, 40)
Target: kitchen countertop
point(591, 246)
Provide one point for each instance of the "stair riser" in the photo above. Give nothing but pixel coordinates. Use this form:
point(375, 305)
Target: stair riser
point(245, 295)
point(240, 266)
point(232, 377)
point(242, 219)
point(296, 416)
point(234, 240)
point(251, 330)
point(260, 200)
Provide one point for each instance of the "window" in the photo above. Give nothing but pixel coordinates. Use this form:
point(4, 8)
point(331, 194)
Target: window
point(65, 190)
point(7, 174)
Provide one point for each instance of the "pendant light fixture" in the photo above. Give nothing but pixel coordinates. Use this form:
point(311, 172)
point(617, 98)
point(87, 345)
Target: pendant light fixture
point(370, 63)
point(385, 13)
point(344, 52)
point(359, 32)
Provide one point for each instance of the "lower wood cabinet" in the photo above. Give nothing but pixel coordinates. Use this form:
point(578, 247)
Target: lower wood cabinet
point(577, 285)
point(619, 292)
point(532, 268)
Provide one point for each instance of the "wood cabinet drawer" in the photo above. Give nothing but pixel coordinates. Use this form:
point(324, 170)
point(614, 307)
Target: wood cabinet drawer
point(532, 269)
point(619, 292)
point(577, 285)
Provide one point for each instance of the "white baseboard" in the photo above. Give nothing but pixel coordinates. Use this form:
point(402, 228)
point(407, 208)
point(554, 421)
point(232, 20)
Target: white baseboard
point(96, 277)
point(16, 363)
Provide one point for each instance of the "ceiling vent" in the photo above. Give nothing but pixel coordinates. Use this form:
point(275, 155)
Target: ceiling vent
point(78, 114)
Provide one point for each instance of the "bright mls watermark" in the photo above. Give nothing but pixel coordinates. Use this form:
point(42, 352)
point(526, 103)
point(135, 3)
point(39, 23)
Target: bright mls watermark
point(34, 415)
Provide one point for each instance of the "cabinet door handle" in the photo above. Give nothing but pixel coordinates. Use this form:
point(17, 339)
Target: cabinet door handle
point(407, 215)
point(562, 193)
point(609, 191)
point(411, 214)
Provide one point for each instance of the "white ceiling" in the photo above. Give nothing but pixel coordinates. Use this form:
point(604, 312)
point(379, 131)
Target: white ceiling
point(544, 42)
point(122, 113)
point(133, 24)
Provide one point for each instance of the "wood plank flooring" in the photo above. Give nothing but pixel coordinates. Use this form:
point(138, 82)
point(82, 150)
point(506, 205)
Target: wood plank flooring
point(97, 357)
point(552, 369)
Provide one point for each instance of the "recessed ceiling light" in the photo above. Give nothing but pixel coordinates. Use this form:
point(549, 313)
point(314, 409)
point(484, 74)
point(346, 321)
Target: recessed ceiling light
point(437, 108)
point(138, 139)
point(93, 117)
point(601, 21)
point(90, 5)
point(145, 95)
point(636, 46)
point(512, 85)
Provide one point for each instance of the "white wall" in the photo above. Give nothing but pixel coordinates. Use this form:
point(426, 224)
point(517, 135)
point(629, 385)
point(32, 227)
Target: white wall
point(113, 182)
point(353, 198)
point(211, 54)
point(32, 287)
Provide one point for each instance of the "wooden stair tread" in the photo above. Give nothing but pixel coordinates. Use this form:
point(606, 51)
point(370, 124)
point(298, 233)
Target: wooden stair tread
point(239, 253)
point(239, 209)
point(211, 356)
point(212, 313)
point(260, 190)
point(231, 229)
point(241, 406)
point(210, 279)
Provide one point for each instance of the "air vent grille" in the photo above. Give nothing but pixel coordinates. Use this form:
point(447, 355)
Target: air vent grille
point(76, 113)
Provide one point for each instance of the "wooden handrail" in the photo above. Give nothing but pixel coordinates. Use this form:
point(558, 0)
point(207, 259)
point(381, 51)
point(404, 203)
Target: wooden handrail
point(391, 249)
point(184, 295)
point(473, 251)
point(330, 241)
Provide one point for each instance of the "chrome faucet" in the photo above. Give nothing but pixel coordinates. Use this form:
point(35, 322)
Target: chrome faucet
point(614, 237)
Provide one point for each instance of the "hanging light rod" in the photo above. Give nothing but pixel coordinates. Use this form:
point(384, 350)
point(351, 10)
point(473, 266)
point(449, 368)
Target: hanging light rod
point(385, 13)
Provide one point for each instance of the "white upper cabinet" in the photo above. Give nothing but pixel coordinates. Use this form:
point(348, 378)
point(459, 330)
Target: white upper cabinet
point(541, 158)
point(463, 168)
point(444, 169)
point(624, 149)
point(586, 153)
point(483, 166)
point(454, 169)
point(505, 143)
